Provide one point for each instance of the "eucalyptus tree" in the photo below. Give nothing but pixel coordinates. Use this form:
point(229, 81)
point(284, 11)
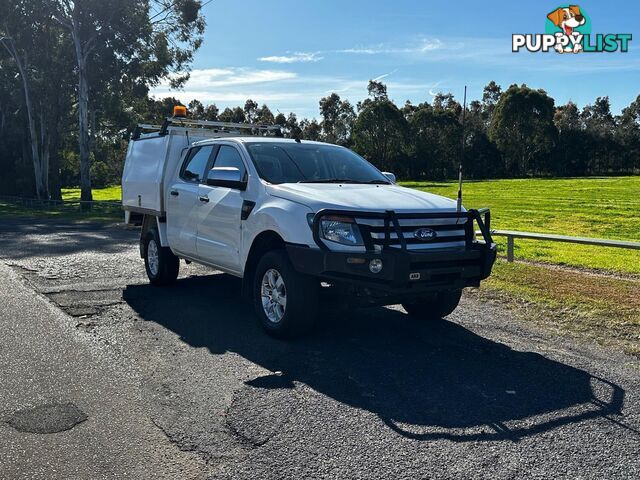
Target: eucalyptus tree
point(337, 119)
point(235, 115)
point(211, 112)
point(435, 141)
point(379, 131)
point(36, 47)
point(628, 134)
point(250, 111)
point(196, 110)
point(132, 43)
point(522, 127)
point(311, 129)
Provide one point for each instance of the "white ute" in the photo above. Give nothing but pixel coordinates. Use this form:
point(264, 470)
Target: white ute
point(298, 221)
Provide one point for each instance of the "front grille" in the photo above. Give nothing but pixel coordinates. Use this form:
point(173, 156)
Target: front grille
point(450, 232)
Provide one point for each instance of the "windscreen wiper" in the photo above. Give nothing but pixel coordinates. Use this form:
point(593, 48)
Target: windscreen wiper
point(331, 180)
point(377, 182)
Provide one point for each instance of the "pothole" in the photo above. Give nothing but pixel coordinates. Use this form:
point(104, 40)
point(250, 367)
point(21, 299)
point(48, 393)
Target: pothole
point(81, 311)
point(260, 408)
point(86, 298)
point(49, 418)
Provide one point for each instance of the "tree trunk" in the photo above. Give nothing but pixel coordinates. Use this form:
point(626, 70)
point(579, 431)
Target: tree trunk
point(54, 160)
point(70, 20)
point(44, 153)
point(83, 137)
point(40, 185)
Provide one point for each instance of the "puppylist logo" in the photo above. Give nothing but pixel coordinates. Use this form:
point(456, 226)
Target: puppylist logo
point(568, 30)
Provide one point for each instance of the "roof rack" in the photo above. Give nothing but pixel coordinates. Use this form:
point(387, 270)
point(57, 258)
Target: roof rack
point(221, 127)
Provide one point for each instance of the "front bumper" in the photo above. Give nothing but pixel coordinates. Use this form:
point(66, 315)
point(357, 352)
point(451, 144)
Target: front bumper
point(404, 270)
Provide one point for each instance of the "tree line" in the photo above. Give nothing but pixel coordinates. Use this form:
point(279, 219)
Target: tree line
point(517, 132)
point(75, 78)
point(72, 74)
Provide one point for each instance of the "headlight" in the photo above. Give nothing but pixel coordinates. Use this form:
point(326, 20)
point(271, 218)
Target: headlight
point(340, 230)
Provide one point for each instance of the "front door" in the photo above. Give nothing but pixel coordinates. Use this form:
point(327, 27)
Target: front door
point(182, 202)
point(219, 235)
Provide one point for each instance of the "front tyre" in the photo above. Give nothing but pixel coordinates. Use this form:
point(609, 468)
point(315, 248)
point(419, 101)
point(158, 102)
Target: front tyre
point(435, 306)
point(161, 264)
point(285, 301)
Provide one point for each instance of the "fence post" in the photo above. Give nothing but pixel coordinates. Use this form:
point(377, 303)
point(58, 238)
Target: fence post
point(509, 248)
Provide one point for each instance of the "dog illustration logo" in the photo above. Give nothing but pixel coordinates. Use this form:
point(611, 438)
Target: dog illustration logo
point(567, 19)
point(568, 30)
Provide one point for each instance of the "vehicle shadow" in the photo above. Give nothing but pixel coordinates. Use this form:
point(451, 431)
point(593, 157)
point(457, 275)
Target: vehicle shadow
point(424, 380)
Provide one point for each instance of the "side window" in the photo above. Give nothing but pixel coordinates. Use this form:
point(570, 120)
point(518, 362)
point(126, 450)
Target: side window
point(230, 157)
point(194, 166)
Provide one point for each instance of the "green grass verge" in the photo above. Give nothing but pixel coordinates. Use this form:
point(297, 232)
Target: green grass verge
point(589, 207)
point(67, 213)
point(112, 194)
point(99, 213)
point(585, 305)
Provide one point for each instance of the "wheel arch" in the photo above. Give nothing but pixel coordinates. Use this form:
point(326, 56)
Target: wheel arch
point(264, 242)
point(149, 222)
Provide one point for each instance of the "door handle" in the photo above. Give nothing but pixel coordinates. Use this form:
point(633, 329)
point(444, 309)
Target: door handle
point(204, 199)
point(174, 193)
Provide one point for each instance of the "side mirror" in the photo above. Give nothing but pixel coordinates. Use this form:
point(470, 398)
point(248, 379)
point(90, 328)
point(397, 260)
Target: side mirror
point(229, 177)
point(390, 176)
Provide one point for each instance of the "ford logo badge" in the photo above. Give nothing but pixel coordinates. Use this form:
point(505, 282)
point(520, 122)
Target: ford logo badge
point(425, 234)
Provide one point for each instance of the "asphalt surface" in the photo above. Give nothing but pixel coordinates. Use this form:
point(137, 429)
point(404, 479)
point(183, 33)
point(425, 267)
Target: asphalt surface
point(68, 411)
point(181, 382)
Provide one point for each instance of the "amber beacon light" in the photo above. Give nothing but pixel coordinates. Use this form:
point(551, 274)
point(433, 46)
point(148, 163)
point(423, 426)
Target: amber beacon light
point(179, 111)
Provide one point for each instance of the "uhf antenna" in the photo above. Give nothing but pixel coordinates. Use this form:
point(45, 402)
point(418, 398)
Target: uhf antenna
point(464, 111)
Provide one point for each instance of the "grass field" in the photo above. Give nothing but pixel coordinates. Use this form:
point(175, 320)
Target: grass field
point(587, 207)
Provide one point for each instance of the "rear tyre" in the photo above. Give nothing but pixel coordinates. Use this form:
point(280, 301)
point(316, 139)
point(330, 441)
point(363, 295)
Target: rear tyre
point(435, 306)
point(161, 264)
point(285, 301)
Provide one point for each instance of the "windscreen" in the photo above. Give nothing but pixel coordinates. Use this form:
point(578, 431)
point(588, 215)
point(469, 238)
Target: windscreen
point(311, 163)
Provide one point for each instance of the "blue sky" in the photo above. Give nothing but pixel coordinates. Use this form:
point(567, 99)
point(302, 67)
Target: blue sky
point(289, 54)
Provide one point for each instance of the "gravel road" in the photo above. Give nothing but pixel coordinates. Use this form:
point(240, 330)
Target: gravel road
point(371, 394)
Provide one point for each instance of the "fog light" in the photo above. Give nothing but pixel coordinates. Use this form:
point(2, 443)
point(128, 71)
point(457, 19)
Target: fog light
point(375, 265)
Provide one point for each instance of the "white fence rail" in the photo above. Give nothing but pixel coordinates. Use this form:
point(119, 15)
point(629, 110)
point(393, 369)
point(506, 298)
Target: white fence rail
point(512, 235)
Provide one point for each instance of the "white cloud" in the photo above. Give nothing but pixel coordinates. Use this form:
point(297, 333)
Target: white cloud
point(384, 75)
point(362, 51)
point(202, 79)
point(297, 57)
point(214, 77)
point(423, 46)
point(233, 84)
